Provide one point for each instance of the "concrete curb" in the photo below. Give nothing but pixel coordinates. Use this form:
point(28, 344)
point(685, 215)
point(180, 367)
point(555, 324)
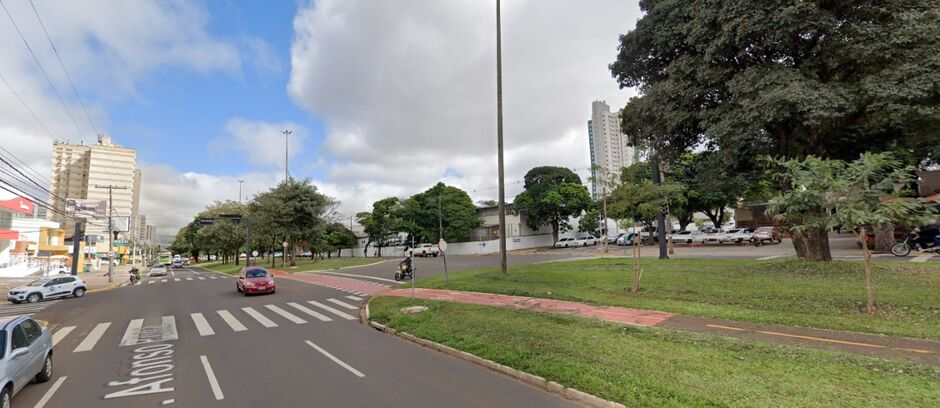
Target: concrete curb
point(113, 285)
point(534, 380)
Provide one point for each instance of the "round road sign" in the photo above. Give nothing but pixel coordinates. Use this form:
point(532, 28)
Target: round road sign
point(442, 245)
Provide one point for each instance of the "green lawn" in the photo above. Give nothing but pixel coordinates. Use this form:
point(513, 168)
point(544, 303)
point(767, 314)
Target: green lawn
point(304, 265)
point(642, 367)
point(807, 294)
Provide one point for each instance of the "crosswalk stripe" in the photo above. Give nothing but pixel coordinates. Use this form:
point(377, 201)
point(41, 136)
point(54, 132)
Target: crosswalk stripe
point(356, 298)
point(202, 325)
point(213, 277)
point(60, 334)
point(169, 328)
point(163, 281)
point(231, 320)
point(302, 308)
point(176, 279)
point(150, 283)
point(342, 304)
point(189, 278)
point(201, 278)
point(285, 314)
point(259, 317)
point(36, 307)
point(339, 313)
point(132, 333)
point(92, 338)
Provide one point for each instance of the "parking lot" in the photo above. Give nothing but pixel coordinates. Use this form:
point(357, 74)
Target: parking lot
point(843, 247)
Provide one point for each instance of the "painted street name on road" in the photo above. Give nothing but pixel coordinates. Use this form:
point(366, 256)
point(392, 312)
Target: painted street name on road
point(152, 365)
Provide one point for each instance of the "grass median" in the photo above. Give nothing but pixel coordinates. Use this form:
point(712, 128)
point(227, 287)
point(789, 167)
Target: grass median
point(822, 295)
point(642, 367)
point(303, 265)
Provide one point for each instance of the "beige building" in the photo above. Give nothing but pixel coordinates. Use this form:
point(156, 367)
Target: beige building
point(85, 172)
point(610, 151)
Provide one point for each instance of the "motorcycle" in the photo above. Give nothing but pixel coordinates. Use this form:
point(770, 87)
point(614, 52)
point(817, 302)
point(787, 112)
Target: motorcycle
point(910, 242)
point(134, 276)
point(404, 272)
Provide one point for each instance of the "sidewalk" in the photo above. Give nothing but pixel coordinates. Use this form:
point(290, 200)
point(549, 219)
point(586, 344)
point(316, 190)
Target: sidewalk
point(923, 351)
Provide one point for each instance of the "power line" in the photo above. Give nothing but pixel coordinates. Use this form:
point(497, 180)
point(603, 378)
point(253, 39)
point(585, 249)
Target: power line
point(18, 97)
point(62, 64)
point(19, 161)
point(41, 69)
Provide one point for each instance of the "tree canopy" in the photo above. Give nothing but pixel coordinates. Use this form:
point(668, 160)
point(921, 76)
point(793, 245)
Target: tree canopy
point(440, 207)
point(552, 195)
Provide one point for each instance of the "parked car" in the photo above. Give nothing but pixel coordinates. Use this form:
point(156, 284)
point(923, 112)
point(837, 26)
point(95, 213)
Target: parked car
point(588, 240)
point(613, 240)
point(177, 263)
point(737, 235)
point(566, 243)
point(626, 239)
point(59, 270)
point(254, 280)
point(158, 270)
point(689, 237)
point(426, 249)
point(765, 235)
point(48, 288)
point(26, 355)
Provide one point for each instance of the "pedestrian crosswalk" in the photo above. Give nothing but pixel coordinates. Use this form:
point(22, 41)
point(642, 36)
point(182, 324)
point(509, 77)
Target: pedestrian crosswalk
point(151, 281)
point(28, 309)
point(166, 328)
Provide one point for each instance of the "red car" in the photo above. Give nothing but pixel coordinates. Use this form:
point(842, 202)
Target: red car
point(254, 280)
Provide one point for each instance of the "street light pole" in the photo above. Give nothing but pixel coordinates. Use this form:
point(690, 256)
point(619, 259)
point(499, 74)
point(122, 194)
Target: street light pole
point(499, 143)
point(287, 134)
point(240, 190)
point(110, 228)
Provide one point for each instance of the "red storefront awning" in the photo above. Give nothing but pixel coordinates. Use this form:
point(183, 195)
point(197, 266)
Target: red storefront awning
point(9, 235)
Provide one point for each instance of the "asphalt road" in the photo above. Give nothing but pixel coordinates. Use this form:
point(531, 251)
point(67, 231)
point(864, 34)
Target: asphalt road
point(192, 341)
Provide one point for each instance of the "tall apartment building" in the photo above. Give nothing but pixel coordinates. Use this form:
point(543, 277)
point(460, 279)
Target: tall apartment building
point(609, 149)
point(84, 172)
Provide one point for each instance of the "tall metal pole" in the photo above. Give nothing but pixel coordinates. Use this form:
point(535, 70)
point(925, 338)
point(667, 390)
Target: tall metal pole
point(76, 247)
point(661, 218)
point(286, 133)
point(440, 235)
point(499, 136)
point(240, 190)
point(110, 228)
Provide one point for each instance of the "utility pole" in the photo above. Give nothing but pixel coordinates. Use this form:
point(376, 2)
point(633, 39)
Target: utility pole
point(77, 239)
point(499, 143)
point(661, 218)
point(110, 227)
point(240, 190)
point(440, 235)
point(287, 134)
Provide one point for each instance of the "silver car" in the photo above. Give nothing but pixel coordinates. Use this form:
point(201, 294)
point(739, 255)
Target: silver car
point(26, 355)
point(157, 271)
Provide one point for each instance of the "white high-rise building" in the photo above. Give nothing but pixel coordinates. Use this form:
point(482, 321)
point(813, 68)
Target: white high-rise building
point(610, 151)
point(85, 172)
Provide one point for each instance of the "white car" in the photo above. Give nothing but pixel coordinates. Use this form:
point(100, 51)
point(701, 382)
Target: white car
point(736, 236)
point(588, 240)
point(426, 250)
point(48, 288)
point(567, 242)
point(689, 237)
point(158, 270)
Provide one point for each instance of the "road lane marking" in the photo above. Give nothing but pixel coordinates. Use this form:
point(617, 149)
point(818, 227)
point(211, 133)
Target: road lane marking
point(163, 281)
point(132, 333)
point(285, 314)
point(302, 308)
point(360, 276)
point(169, 328)
point(259, 317)
point(202, 325)
point(213, 277)
point(339, 313)
point(355, 298)
point(922, 258)
point(213, 382)
point(176, 279)
point(201, 278)
point(92, 338)
point(150, 282)
point(48, 396)
point(60, 334)
point(336, 360)
point(231, 320)
point(189, 278)
point(343, 304)
point(767, 258)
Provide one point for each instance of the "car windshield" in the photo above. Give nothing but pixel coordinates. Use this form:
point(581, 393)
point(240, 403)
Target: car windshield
point(256, 273)
point(39, 282)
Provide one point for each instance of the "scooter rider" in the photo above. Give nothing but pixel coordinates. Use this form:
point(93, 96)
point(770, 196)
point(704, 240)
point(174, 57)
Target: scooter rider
point(926, 237)
point(405, 265)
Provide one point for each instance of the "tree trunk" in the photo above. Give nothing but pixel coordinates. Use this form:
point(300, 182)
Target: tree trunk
point(293, 261)
point(637, 271)
point(817, 245)
point(799, 244)
point(884, 237)
point(870, 308)
point(554, 231)
point(716, 216)
point(684, 220)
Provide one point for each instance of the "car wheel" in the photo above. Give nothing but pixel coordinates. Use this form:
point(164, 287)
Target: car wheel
point(5, 398)
point(46, 373)
point(33, 298)
point(78, 292)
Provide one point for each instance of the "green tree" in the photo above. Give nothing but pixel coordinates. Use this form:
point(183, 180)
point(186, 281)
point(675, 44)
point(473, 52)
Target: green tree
point(828, 79)
point(589, 222)
point(337, 237)
point(380, 223)
point(638, 199)
point(552, 195)
point(439, 208)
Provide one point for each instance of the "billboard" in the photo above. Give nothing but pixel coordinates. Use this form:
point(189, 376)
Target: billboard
point(82, 208)
point(15, 203)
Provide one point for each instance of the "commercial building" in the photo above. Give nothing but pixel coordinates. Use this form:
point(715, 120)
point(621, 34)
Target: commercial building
point(86, 173)
point(610, 151)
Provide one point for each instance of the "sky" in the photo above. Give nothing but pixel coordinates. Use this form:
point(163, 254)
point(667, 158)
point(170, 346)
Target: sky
point(384, 98)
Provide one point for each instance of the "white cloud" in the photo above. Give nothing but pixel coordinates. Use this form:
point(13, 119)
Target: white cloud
point(261, 142)
point(407, 89)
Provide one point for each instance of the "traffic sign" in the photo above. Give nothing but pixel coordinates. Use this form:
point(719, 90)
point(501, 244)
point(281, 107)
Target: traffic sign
point(111, 254)
point(254, 254)
point(284, 244)
point(442, 245)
